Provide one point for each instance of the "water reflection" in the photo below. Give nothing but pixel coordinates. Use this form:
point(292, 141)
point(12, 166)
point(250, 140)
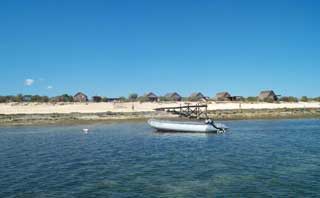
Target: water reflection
point(185, 134)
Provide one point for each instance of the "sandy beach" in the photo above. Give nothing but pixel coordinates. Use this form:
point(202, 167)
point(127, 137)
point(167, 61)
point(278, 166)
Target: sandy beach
point(63, 108)
point(49, 113)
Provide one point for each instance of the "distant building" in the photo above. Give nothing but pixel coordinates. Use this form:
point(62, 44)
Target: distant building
point(97, 99)
point(197, 96)
point(151, 97)
point(223, 96)
point(80, 97)
point(267, 95)
point(226, 96)
point(174, 96)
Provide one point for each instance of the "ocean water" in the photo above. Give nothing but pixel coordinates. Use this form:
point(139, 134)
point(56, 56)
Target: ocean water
point(279, 158)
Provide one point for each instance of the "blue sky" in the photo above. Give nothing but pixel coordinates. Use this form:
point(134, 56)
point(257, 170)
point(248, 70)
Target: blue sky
point(114, 48)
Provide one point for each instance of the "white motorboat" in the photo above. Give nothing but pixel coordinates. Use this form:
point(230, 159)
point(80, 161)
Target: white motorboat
point(207, 126)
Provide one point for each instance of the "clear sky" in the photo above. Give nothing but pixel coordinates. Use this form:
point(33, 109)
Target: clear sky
point(114, 48)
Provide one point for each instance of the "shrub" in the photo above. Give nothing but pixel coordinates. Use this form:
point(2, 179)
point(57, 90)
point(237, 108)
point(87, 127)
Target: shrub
point(317, 99)
point(185, 99)
point(104, 99)
point(133, 97)
point(96, 99)
point(240, 98)
point(37, 98)
point(289, 99)
point(269, 100)
point(18, 98)
point(45, 99)
point(67, 98)
point(3, 99)
point(193, 99)
point(143, 99)
point(304, 99)
point(164, 99)
point(252, 99)
point(123, 99)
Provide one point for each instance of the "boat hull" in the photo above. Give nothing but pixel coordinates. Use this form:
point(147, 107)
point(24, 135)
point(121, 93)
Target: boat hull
point(175, 126)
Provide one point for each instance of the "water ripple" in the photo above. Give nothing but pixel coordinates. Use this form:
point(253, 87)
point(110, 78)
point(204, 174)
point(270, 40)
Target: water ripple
point(255, 159)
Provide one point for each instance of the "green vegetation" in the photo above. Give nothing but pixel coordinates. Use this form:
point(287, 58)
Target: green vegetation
point(240, 98)
point(97, 99)
point(133, 97)
point(304, 99)
point(289, 99)
point(67, 98)
point(24, 98)
point(185, 99)
point(269, 100)
point(193, 99)
point(317, 99)
point(37, 98)
point(123, 99)
point(143, 99)
point(164, 99)
point(251, 99)
point(104, 99)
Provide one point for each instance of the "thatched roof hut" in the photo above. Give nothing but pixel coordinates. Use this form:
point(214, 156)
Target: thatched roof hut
point(151, 97)
point(223, 96)
point(268, 95)
point(197, 96)
point(174, 96)
point(80, 97)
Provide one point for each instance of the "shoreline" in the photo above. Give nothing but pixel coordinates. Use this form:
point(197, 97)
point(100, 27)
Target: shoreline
point(137, 107)
point(113, 117)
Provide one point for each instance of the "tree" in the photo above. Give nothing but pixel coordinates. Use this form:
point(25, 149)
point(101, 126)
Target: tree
point(9, 98)
point(122, 99)
point(289, 99)
point(304, 99)
point(44, 99)
point(293, 99)
point(317, 99)
point(252, 99)
point(133, 97)
point(18, 98)
point(3, 99)
point(104, 99)
point(164, 99)
point(143, 99)
point(36, 98)
point(67, 98)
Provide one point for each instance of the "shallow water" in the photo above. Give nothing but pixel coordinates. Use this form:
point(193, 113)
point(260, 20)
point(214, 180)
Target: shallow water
point(254, 159)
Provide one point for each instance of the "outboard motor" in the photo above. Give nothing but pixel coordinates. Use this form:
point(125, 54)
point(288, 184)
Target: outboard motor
point(220, 129)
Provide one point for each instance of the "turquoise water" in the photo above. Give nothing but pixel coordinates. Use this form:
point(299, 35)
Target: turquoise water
point(254, 159)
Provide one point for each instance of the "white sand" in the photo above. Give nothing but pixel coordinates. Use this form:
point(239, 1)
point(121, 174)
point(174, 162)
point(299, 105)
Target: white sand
point(46, 108)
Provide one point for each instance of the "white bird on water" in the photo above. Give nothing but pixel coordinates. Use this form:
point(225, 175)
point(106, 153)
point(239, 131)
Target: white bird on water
point(85, 130)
